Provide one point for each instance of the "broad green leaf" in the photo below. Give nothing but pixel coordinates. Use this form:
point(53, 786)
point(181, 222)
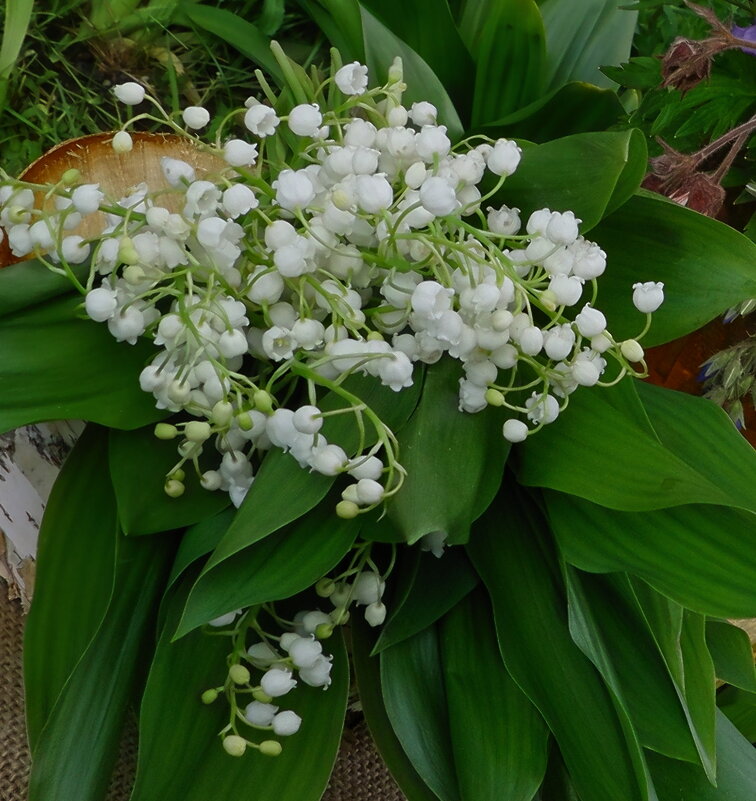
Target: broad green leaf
point(55, 366)
point(29, 283)
point(578, 453)
point(74, 575)
point(413, 692)
point(695, 554)
point(272, 569)
point(436, 586)
point(283, 491)
point(510, 57)
point(237, 32)
point(730, 648)
point(139, 467)
point(510, 551)
point(17, 16)
point(694, 429)
point(199, 540)
point(428, 28)
point(382, 46)
point(574, 108)
point(740, 708)
point(585, 173)
point(368, 677)
point(583, 35)
point(341, 22)
point(180, 753)
point(612, 634)
point(736, 771)
point(679, 247)
point(79, 744)
point(454, 461)
point(508, 762)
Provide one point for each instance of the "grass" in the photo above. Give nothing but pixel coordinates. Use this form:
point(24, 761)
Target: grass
point(73, 54)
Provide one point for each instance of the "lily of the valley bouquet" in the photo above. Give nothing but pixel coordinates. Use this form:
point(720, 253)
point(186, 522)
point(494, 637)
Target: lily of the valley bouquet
point(370, 389)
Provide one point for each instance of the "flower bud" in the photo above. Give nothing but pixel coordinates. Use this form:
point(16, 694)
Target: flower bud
point(238, 674)
point(323, 631)
point(166, 431)
point(325, 587)
point(262, 401)
point(234, 745)
point(515, 430)
point(347, 510)
point(222, 413)
point(129, 93)
point(174, 488)
point(70, 177)
point(494, 397)
point(270, 748)
point(211, 480)
point(632, 350)
point(197, 430)
point(209, 696)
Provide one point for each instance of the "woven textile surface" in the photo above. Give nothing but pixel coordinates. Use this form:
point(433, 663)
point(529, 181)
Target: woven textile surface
point(359, 774)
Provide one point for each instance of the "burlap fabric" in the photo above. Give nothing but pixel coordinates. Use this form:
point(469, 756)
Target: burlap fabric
point(359, 775)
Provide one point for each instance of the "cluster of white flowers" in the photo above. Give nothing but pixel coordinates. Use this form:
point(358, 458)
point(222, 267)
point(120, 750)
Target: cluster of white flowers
point(294, 656)
point(369, 251)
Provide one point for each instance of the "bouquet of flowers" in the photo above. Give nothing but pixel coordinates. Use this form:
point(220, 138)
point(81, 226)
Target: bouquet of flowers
point(362, 401)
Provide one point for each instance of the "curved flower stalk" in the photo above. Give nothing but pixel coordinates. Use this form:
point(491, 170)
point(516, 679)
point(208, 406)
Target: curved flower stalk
point(346, 236)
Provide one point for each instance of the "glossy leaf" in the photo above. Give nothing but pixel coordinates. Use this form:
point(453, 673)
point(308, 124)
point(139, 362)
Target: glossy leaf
point(510, 551)
point(199, 540)
point(237, 32)
point(454, 461)
point(272, 569)
point(29, 283)
point(428, 28)
point(679, 247)
point(696, 554)
point(74, 575)
point(382, 46)
point(283, 491)
point(139, 466)
point(730, 648)
point(368, 676)
point(586, 173)
point(740, 708)
point(341, 22)
point(509, 761)
point(435, 587)
point(583, 35)
point(413, 692)
point(736, 771)
point(613, 636)
point(574, 108)
point(510, 57)
point(194, 766)
point(578, 454)
point(48, 370)
point(79, 744)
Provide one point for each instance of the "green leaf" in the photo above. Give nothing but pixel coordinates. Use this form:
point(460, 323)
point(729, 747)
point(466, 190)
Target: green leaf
point(368, 676)
point(143, 506)
point(199, 540)
point(78, 746)
point(439, 44)
point(413, 692)
point(642, 72)
point(679, 247)
point(509, 761)
point(730, 648)
point(237, 32)
point(696, 554)
point(57, 367)
point(454, 461)
point(29, 283)
point(180, 753)
point(341, 22)
point(578, 453)
point(510, 56)
point(510, 551)
point(572, 109)
point(74, 575)
point(740, 708)
point(736, 771)
point(435, 587)
point(382, 46)
point(272, 569)
point(612, 634)
point(588, 173)
point(583, 35)
point(283, 491)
